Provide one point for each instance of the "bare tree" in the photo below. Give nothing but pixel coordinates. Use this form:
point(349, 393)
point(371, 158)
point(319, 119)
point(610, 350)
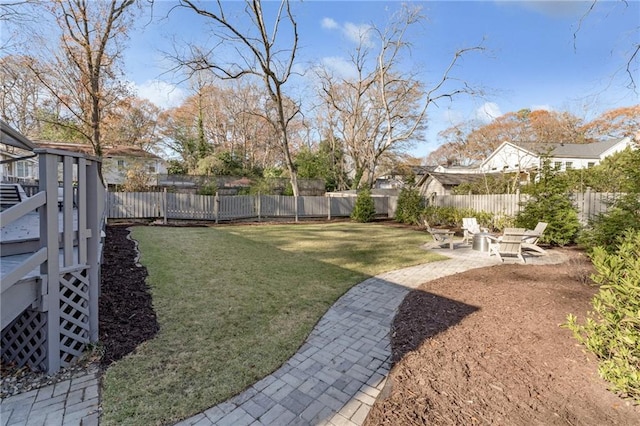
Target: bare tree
point(260, 57)
point(20, 97)
point(633, 55)
point(82, 71)
point(384, 108)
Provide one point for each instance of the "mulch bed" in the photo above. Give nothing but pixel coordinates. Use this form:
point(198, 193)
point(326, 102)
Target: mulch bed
point(486, 347)
point(126, 310)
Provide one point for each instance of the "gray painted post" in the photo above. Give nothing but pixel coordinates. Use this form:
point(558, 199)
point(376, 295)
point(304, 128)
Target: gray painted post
point(329, 208)
point(94, 190)
point(48, 169)
point(296, 206)
point(67, 208)
point(82, 207)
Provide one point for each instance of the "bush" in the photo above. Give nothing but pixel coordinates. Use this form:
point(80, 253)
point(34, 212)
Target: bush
point(612, 332)
point(137, 179)
point(410, 206)
point(452, 217)
point(209, 188)
point(364, 210)
point(605, 229)
point(550, 202)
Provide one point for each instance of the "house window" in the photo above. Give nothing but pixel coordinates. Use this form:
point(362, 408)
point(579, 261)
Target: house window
point(151, 169)
point(568, 165)
point(590, 164)
point(22, 169)
point(120, 164)
point(557, 165)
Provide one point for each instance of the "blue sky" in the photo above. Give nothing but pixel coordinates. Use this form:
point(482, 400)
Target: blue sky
point(531, 58)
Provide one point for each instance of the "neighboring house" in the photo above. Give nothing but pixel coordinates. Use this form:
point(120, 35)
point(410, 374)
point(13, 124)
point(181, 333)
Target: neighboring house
point(513, 157)
point(17, 164)
point(117, 160)
point(396, 179)
point(436, 183)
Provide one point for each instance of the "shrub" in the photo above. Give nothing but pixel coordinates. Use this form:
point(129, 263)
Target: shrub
point(612, 332)
point(452, 217)
point(209, 188)
point(550, 202)
point(605, 229)
point(137, 179)
point(364, 210)
point(410, 206)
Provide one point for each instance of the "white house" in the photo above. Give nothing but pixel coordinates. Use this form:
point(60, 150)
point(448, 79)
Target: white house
point(17, 164)
point(117, 160)
point(517, 156)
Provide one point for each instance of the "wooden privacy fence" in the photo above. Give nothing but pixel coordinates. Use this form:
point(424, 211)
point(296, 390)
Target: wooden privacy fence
point(177, 206)
point(589, 204)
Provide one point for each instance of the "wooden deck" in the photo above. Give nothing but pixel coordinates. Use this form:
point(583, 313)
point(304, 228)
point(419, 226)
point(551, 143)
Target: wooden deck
point(19, 240)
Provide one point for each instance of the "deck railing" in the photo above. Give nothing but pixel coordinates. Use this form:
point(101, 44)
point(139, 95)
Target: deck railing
point(60, 300)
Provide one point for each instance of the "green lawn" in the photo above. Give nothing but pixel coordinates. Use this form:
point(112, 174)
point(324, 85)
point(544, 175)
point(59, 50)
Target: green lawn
point(234, 303)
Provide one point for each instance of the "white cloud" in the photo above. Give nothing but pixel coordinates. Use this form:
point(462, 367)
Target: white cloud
point(541, 107)
point(453, 117)
point(161, 93)
point(329, 23)
point(488, 112)
point(358, 33)
point(340, 66)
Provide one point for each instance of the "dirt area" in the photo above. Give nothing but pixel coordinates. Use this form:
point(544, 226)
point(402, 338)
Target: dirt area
point(481, 347)
point(486, 347)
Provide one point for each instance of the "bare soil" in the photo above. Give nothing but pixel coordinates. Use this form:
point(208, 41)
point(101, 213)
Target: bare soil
point(481, 347)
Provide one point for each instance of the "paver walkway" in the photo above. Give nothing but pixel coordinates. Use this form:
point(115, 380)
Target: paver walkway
point(333, 379)
point(337, 374)
point(71, 402)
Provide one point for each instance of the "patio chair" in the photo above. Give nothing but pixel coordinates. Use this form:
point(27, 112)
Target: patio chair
point(470, 227)
point(531, 237)
point(441, 237)
point(508, 245)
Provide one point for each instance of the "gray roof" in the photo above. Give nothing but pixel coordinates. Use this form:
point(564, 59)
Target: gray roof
point(570, 150)
point(457, 178)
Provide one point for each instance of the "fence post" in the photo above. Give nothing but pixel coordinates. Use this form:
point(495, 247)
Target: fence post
point(296, 206)
point(329, 208)
point(586, 205)
point(164, 201)
point(216, 207)
point(259, 207)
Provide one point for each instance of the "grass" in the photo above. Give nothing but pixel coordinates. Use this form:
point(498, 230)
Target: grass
point(234, 303)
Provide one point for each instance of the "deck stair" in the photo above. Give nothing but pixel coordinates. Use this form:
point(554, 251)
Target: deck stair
point(10, 195)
